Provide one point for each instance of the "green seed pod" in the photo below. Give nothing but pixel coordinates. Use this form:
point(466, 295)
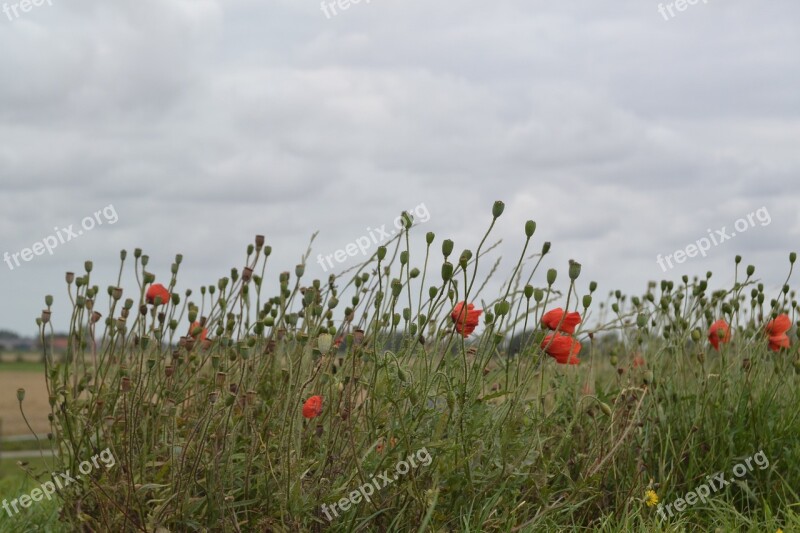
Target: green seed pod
point(587, 301)
point(429, 237)
point(498, 208)
point(574, 270)
point(447, 271)
point(447, 247)
point(381, 253)
point(528, 291)
point(551, 276)
point(545, 247)
point(530, 228)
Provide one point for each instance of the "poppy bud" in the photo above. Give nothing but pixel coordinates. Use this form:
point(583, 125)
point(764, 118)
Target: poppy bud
point(538, 295)
point(792, 257)
point(414, 273)
point(696, 334)
point(528, 291)
point(408, 220)
point(574, 270)
point(605, 408)
point(447, 271)
point(463, 260)
point(738, 259)
point(447, 247)
point(88, 266)
point(145, 259)
point(497, 208)
point(432, 292)
point(641, 320)
point(551, 276)
point(545, 247)
point(20, 394)
point(750, 270)
point(404, 257)
point(429, 237)
point(299, 270)
point(587, 301)
point(123, 254)
point(324, 342)
point(381, 253)
point(613, 360)
point(530, 227)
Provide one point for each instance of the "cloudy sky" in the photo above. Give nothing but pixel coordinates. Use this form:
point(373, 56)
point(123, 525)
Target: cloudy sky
point(624, 132)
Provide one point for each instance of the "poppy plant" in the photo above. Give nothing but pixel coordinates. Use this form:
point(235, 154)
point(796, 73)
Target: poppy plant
point(776, 330)
point(313, 407)
point(194, 331)
point(465, 325)
point(157, 291)
point(719, 332)
point(568, 322)
point(563, 348)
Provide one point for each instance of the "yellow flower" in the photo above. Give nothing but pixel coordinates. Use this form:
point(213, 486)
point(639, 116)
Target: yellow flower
point(650, 498)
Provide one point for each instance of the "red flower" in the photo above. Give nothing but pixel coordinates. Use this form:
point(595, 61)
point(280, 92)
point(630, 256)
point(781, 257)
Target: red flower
point(157, 290)
point(776, 330)
point(552, 318)
point(638, 361)
point(778, 326)
point(776, 342)
point(203, 334)
point(714, 333)
point(472, 318)
point(562, 348)
point(313, 407)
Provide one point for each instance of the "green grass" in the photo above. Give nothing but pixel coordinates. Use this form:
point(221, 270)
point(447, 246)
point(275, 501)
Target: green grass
point(22, 366)
point(211, 435)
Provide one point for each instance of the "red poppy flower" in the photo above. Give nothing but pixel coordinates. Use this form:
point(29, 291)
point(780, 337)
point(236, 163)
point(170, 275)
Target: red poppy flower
point(638, 361)
point(203, 334)
point(552, 318)
point(562, 348)
point(157, 290)
point(776, 342)
point(714, 336)
point(778, 326)
point(313, 407)
point(472, 318)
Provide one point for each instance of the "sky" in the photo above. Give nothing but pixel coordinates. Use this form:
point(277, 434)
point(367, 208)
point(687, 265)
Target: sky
point(626, 130)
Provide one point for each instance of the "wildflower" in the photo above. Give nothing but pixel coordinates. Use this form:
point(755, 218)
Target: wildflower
point(313, 407)
point(776, 342)
point(719, 332)
point(638, 361)
point(776, 330)
point(563, 348)
point(552, 318)
point(466, 326)
point(157, 291)
point(196, 330)
point(650, 498)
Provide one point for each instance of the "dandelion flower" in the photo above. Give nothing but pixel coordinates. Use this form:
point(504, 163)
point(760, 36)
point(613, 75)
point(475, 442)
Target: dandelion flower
point(650, 498)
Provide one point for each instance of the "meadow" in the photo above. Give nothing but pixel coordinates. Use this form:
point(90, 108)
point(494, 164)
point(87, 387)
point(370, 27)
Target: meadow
point(400, 396)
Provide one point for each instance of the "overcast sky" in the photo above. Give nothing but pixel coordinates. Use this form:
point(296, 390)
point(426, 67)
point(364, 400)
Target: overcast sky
point(624, 132)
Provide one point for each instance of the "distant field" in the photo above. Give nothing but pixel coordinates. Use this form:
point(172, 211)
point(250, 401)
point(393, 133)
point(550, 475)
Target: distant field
point(29, 376)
